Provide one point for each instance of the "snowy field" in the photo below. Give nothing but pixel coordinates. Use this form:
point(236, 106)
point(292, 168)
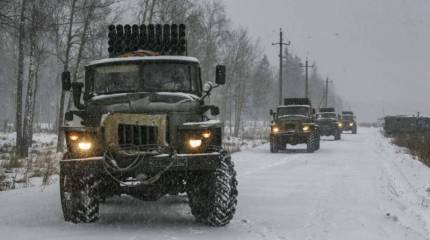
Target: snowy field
point(359, 188)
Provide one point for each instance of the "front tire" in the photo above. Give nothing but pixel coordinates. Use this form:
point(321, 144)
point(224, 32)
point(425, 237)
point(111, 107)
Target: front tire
point(311, 145)
point(317, 142)
point(337, 135)
point(79, 198)
point(213, 196)
point(273, 145)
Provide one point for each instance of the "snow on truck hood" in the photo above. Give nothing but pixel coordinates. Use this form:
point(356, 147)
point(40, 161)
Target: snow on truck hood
point(147, 58)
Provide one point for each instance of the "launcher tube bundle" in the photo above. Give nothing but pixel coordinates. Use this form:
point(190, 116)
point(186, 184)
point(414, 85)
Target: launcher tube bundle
point(167, 39)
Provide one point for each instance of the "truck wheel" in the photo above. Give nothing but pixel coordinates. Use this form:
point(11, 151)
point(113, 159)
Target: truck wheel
point(273, 145)
point(337, 135)
point(79, 198)
point(310, 148)
point(317, 142)
point(354, 131)
point(213, 196)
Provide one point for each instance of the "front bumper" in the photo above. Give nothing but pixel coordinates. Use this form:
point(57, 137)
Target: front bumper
point(328, 130)
point(150, 164)
point(291, 137)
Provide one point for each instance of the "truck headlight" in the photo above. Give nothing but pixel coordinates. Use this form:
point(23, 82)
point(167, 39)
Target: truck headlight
point(195, 143)
point(206, 134)
point(85, 146)
point(339, 124)
point(275, 129)
point(351, 124)
point(306, 128)
point(73, 137)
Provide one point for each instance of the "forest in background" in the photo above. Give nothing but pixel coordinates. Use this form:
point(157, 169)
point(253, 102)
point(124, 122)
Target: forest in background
point(42, 38)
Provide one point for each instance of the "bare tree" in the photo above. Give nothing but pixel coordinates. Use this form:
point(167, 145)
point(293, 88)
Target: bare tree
point(20, 80)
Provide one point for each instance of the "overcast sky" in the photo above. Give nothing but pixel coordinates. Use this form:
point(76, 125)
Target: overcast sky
point(376, 51)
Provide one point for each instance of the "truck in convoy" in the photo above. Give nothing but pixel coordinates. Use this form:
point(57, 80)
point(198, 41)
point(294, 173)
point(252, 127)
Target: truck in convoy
point(329, 123)
point(141, 127)
point(294, 123)
point(349, 123)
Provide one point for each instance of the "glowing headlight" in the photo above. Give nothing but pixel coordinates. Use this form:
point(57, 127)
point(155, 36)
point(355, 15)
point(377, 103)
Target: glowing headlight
point(340, 124)
point(351, 124)
point(195, 143)
point(73, 137)
point(206, 134)
point(275, 129)
point(84, 146)
point(306, 128)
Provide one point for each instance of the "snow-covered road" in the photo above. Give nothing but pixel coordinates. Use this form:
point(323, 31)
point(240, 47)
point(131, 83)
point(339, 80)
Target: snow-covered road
point(359, 188)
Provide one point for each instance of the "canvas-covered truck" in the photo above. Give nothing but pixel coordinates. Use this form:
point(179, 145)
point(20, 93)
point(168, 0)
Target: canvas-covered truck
point(293, 123)
point(141, 127)
point(329, 123)
point(349, 122)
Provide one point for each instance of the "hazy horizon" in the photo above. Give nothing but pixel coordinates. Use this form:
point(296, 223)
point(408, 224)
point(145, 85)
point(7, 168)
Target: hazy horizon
point(374, 51)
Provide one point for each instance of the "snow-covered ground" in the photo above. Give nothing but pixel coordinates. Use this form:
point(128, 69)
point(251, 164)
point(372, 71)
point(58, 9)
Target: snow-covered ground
point(359, 188)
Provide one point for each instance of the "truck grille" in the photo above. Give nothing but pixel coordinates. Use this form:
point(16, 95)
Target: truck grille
point(290, 126)
point(136, 135)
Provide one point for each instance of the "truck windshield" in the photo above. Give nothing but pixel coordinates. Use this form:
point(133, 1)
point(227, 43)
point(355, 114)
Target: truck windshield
point(150, 77)
point(347, 117)
point(326, 115)
point(296, 110)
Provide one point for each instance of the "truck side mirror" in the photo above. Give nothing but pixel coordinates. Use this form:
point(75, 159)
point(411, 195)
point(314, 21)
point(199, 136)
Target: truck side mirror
point(220, 74)
point(77, 93)
point(271, 112)
point(68, 116)
point(214, 111)
point(65, 81)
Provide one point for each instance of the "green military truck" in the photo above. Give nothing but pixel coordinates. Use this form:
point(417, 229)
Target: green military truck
point(349, 122)
point(141, 127)
point(293, 123)
point(329, 124)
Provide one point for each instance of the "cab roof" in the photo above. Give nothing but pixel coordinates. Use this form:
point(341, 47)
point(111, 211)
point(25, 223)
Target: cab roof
point(146, 58)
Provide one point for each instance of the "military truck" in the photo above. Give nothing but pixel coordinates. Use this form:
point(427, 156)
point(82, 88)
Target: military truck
point(329, 124)
point(348, 121)
point(293, 123)
point(141, 127)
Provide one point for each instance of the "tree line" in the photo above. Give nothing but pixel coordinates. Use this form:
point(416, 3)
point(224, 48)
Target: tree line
point(42, 38)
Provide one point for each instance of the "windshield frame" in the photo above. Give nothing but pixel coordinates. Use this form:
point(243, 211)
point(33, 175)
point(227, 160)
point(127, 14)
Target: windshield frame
point(285, 107)
point(90, 82)
point(319, 115)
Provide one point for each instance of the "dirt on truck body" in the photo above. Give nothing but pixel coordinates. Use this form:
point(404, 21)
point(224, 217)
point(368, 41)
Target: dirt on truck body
point(144, 130)
point(293, 123)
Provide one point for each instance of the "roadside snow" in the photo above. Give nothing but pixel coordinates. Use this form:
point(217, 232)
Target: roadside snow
point(359, 188)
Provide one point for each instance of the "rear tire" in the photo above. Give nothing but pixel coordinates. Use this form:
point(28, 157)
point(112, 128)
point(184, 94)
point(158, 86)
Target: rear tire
point(79, 198)
point(213, 196)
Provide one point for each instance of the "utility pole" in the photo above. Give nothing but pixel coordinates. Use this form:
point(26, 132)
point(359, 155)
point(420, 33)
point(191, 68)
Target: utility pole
point(306, 66)
point(326, 91)
point(281, 44)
